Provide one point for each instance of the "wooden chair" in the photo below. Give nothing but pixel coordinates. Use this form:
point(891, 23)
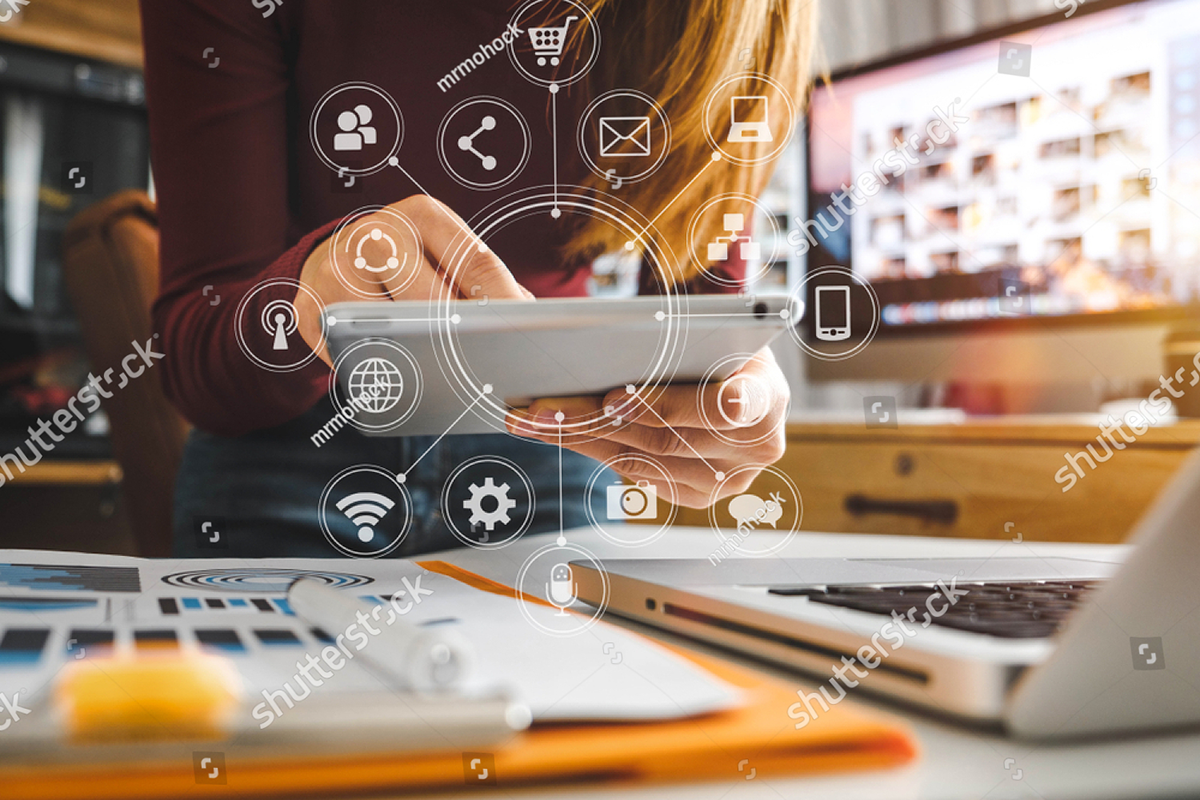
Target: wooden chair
point(110, 264)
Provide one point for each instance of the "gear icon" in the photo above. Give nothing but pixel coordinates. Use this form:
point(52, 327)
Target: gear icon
point(504, 504)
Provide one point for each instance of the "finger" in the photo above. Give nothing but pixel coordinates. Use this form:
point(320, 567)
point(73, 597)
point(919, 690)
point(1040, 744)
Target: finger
point(468, 264)
point(746, 398)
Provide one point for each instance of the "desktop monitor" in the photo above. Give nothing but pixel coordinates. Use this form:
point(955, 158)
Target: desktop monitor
point(1025, 203)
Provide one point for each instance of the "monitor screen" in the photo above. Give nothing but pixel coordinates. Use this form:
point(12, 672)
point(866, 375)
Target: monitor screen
point(1048, 172)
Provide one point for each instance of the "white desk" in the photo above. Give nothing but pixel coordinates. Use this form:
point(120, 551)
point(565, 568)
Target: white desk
point(957, 762)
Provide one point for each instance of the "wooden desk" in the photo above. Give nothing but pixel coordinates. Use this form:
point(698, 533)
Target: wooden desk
point(982, 479)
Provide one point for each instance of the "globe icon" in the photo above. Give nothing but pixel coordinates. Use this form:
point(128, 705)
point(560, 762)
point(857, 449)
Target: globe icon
point(376, 385)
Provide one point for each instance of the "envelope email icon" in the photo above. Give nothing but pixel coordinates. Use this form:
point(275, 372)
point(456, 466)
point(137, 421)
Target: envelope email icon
point(616, 131)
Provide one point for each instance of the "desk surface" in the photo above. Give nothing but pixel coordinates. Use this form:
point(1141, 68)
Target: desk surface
point(957, 762)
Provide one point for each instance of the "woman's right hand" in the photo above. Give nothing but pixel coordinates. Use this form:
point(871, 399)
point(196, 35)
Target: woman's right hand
point(428, 275)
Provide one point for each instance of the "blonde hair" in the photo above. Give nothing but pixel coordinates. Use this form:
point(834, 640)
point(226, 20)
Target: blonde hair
point(677, 52)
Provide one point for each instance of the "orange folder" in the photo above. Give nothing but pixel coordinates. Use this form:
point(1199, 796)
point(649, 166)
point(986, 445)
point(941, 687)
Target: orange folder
point(755, 740)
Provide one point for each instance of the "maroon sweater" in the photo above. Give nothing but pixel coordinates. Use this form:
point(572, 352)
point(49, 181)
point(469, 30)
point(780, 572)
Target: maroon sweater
point(243, 197)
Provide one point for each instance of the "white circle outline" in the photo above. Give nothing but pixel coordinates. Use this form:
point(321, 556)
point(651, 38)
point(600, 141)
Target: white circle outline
point(791, 534)
point(356, 216)
point(518, 206)
point(325, 158)
point(553, 84)
point(598, 610)
point(708, 377)
point(324, 501)
point(796, 303)
point(783, 140)
point(241, 313)
point(658, 110)
point(449, 518)
point(707, 269)
point(591, 514)
point(418, 392)
point(526, 138)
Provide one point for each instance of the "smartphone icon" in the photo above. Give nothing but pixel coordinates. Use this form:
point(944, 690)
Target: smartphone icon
point(833, 313)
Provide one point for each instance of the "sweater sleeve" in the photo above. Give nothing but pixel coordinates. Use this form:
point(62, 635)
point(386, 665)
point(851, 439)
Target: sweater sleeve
point(219, 138)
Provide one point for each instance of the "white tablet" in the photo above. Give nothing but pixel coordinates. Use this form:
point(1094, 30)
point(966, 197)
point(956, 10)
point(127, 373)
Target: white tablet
point(408, 369)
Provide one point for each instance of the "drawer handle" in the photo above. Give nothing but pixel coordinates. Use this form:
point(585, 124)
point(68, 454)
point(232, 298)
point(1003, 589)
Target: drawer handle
point(928, 510)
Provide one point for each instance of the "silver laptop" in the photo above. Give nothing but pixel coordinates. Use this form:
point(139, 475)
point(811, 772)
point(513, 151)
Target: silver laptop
point(1050, 647)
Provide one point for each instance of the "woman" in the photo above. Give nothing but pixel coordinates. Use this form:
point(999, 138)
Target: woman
point(244, 199)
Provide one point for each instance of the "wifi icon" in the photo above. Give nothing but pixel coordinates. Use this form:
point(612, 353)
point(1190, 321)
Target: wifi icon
point(366, 510)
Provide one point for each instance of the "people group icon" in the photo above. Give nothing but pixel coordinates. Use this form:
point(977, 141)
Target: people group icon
point(356, 130)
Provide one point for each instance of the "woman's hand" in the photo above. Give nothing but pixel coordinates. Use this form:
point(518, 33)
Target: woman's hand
point(428, 273)
point(677, 431)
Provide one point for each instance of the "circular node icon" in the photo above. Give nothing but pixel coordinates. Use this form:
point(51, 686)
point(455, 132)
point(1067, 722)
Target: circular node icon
point(469, 152)
point(723, 230)
point(488, 502)
point(365, 512)
point(269, 336)
point(356, 129)
point(637, 502)
point(729, 423)
point(376, 386)
point(837, 313)
point(624, 136)
point(558, 44)
point(741, 118)
point(773, 501)
point(562, 576)
point(376, 252)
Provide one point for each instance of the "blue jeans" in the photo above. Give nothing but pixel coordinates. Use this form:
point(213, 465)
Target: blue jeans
point(261, 492)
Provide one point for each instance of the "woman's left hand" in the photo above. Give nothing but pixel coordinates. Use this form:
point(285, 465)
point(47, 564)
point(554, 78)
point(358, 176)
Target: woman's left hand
point(676, 430)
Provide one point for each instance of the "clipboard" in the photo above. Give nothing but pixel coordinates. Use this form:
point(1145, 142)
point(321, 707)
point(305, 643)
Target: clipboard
point(757, 739)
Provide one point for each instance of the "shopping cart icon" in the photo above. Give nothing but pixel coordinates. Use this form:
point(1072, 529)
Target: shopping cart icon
point(548, 42)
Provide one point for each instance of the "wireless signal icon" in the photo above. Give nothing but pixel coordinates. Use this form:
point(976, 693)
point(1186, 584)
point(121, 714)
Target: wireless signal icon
point(366, 510)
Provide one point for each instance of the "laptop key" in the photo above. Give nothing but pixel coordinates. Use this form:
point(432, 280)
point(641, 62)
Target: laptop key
point(1018, 610)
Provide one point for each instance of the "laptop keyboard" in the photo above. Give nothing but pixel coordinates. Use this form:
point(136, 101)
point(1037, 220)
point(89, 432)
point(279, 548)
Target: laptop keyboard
point(1022, 610)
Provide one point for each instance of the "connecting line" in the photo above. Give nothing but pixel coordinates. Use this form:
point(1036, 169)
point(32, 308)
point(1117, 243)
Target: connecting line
point(412, 466)
point(554, 141)
point(395, 162)
point(561, 524)
point(720, 475)
point(715, 157)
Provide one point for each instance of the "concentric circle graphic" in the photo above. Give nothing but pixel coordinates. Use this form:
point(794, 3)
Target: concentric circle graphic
point(638, 502)
point(492, 502)
point(837, 276)
point(546, 32)
point(345, 126)
point(270, 338)
point(753, 512)
point(749, 119)
point(261, 579)
point(469, 379)
point(373, 246)
point(727, 365)
point(548, 579)
point(371, 500)
point(482, 115)
point(376, 385)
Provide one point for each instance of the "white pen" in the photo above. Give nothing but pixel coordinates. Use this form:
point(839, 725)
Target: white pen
point(419, 659)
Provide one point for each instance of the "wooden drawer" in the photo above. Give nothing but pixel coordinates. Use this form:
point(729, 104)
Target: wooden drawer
point(949, 483)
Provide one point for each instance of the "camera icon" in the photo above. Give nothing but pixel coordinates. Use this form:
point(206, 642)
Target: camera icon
point(632, 502)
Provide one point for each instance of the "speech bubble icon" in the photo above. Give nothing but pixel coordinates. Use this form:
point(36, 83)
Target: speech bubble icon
point(751, 510)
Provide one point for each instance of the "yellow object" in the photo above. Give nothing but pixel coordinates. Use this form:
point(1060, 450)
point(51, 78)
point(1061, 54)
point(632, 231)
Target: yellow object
point(147, 695)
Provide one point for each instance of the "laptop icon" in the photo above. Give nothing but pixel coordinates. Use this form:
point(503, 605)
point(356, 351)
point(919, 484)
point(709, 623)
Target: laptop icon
point(750, 117)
